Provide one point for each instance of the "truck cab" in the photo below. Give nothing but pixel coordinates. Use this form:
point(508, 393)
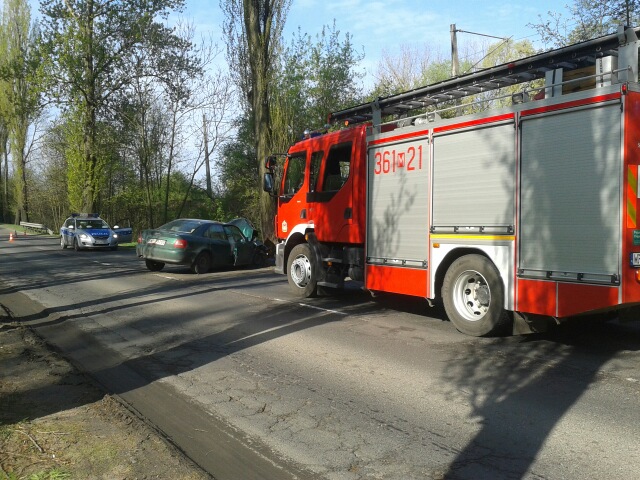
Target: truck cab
point(322, 191)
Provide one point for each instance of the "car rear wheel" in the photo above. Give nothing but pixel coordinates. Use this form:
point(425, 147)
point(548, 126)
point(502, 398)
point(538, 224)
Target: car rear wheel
point(202, 263)
point(62, 242)
point(154, 266)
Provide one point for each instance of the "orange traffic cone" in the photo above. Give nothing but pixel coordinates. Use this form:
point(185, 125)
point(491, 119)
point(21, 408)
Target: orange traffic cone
point(11, 237)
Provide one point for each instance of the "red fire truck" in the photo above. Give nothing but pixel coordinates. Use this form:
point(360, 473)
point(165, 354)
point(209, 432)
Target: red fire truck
point(508, 216)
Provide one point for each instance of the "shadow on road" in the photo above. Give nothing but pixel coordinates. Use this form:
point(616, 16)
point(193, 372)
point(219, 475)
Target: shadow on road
point(547, 371)
point(499, 378)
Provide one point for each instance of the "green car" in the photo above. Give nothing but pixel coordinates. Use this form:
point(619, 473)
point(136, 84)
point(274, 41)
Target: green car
point(198, 244)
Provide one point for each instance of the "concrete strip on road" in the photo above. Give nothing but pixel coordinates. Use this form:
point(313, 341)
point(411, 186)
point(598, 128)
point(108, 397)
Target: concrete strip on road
point(214, 445)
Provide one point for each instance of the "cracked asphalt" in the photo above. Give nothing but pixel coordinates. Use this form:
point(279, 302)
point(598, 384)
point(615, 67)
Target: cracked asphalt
point(342, 388)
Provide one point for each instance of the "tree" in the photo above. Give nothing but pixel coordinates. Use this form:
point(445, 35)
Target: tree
point(315, 78)
point(412, 67)
point(591, 20)
point(4, 172)
point(253, 30)
point(20, 94)
point(237, 169)
point(88, 47)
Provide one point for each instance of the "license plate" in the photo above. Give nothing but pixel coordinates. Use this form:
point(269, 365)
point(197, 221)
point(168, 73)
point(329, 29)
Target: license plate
point(635, 259)
point(101, 242)
point(151, 241)
point(160, 242)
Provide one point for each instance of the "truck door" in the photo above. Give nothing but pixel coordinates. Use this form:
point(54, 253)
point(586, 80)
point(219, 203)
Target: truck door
point(292, 202)
point(333, 197)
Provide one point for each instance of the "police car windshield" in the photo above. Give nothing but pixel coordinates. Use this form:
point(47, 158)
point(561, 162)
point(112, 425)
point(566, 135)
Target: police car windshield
point(92, 224)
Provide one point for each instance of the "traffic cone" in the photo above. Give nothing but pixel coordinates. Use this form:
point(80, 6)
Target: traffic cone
point(11, 237)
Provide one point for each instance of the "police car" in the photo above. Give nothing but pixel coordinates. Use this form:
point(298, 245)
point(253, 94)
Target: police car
point(87, 230)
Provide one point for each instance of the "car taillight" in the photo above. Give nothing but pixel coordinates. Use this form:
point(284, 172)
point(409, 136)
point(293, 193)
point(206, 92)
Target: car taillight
point(140, 238)
point(180, 243)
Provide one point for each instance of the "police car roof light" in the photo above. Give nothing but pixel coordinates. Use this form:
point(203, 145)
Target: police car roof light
point(86, 215)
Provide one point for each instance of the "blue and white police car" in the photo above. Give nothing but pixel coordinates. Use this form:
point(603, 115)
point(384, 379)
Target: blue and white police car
point(87, 230)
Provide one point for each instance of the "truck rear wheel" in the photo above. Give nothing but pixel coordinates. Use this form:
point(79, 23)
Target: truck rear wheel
point(473, 296)
point(301, 271)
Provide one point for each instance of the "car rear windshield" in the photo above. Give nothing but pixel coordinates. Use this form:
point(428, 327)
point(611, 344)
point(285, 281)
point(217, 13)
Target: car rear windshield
point(185, 226)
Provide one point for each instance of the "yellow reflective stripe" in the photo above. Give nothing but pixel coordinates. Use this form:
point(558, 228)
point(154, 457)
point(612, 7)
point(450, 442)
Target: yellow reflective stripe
point(462, 236)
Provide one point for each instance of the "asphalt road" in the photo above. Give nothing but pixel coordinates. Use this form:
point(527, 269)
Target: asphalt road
point(252, 383)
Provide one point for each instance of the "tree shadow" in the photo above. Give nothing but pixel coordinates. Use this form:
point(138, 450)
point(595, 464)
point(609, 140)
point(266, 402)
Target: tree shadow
point(518, 399)
point(166, 345)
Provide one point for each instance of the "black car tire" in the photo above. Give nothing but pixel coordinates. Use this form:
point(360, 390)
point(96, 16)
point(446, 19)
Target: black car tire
point(154, 266)
point(202, 263)
point(76, 245)
point(260, 259)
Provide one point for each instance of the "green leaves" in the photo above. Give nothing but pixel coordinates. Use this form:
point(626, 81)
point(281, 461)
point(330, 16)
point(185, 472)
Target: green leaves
point(96, 49)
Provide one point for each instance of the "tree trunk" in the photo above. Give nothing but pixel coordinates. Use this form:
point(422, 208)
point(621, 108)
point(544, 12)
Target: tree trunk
point(258, 30)
point(165, 215)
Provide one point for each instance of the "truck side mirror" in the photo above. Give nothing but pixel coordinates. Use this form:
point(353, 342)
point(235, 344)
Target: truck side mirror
point(270, 162)
point(267, 183)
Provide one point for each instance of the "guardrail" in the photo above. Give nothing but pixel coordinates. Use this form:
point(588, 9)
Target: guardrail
point(36, 226)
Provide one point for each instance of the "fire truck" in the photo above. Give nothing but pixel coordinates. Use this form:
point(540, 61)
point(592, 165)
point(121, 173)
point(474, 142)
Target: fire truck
point(511, 216)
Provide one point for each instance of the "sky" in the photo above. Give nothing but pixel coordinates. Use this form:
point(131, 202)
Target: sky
point(378, 26)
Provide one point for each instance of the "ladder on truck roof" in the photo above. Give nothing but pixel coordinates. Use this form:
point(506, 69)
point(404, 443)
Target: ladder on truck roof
point(622, 45)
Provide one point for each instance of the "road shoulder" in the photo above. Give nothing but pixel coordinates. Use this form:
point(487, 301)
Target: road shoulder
point(56, 423)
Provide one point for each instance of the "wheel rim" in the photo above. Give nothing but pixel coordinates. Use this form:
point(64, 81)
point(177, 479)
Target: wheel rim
point(472, 295)
point(301, 271)
point(202, 263)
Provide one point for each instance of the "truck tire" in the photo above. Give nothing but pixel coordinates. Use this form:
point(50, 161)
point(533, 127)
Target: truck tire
point(301, 271)
point(473, 297)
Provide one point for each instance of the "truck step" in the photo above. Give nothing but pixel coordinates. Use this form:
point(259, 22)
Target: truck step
point(330, 284)
point(332, 260)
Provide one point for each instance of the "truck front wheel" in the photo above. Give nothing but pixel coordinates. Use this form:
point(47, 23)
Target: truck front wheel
point(301, 271)
point(473, 296)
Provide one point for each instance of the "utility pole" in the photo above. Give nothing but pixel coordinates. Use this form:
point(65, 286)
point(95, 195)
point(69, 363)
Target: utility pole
point(455, 64)
point(206, 156)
